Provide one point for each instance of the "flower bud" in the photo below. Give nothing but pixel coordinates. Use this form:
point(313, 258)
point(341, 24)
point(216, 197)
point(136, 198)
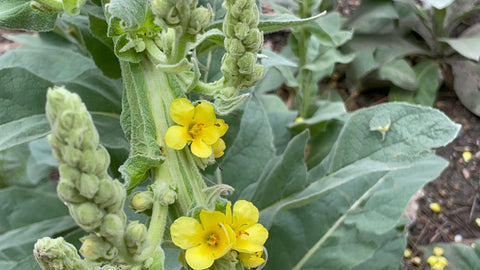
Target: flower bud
point(234, 46)
point(87, 215)
point(135, 236)
point(73, 7)
point(160, 7)
point(91, 139)
point(112, 227)
point(246, 63)
point(172, 18)
point(57, 254)
point(254, 40)
point(71, 155)
point(142, 200)
point(68, 193)
point(166, 194)
point(88, 185)
point(103, 160)
point(199, 19)
point(95, 248)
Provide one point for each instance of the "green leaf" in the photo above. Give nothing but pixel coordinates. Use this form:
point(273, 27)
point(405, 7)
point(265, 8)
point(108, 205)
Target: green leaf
point(466, 81)
point(17, 14)
point(324, 64)
point(138, 124)
point(372, 51)
point(283, 175)
point(42, 64)
point(273, 23)
point(132, 13)
point(428, 82)
point(249, 146)
point(373, 17)
point(466, 46)
point(358, 192)
point(38, 213)
point(400, 73)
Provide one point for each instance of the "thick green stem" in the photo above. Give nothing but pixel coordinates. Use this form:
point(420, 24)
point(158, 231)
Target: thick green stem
point(179, 46)
point(179, 167)
point(304, 75)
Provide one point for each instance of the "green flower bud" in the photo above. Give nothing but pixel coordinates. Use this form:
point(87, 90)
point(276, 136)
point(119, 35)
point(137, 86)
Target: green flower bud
point(87, 215)
point(142, 200)
point(172, 18)
point(72, 7)
point(91, 139)
point(109, 267)
point(68, 193)
point(246, 63)
point(199, 19)
point(241, 30)
point(135, 237)
point(103, 160)
point(166, 194)
point(96, 248)
point(160, 7)
point(88, 185)
point(71, 155)
point(254, 40)
point(234, 46)
point(112, 227)
point(57, 254)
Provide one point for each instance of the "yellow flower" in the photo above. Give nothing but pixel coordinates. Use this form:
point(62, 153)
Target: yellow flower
point(438, 251)
point(467, 156)
point(251, 260)
point(204, 241)
point(250, 235)
point(407, 253)
point(435, 207)
point(198, 125)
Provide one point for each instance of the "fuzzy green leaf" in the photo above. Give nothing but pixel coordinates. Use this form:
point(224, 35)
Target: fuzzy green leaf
point(38, 213)
point(138, 124)
point(466, 81)
point(17, 14)
point(466, 46)
point(358, 192)
point(250, 135)
point(400, 73)
point(273, 23)
point(428, 82)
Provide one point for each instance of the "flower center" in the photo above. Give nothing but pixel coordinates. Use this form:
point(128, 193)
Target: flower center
point(212, 239)
point(196, 129)
point(241, 232)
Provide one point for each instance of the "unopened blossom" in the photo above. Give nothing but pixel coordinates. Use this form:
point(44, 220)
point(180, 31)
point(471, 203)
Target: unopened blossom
point(198, 126)
point(204, 241)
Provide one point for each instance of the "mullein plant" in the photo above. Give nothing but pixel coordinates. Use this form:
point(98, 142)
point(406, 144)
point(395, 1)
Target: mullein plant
point(172, 138)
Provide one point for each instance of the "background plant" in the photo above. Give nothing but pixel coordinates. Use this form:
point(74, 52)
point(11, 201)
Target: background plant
point(348, 197)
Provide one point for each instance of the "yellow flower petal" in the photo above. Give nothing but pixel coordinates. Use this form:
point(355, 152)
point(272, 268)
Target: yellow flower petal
point(251, 260)
point(182, 111)
point(177, 137)
point(435, 207)
point(245, 214)
point(222, 127)
point(199, 257)
point(186, 232)
point(201, 149)
point(251, 239)
point(204, 114)
point(218, 148)
point(209, 135)
point(211, 219)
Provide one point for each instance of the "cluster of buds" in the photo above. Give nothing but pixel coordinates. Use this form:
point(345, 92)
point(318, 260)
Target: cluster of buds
point(437, 261)
point(94, 199)
point(243, 41)
point(183, 13)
